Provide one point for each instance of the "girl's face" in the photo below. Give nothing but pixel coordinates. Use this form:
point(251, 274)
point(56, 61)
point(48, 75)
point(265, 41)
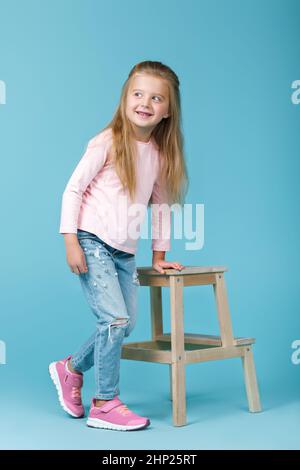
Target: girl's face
point(150, 95)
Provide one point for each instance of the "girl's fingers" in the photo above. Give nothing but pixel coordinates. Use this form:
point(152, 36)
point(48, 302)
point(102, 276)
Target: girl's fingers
point(177, 266)
point(158, 268)
point(84, 264)
point(75, 270)
point(83, 268)
point(165, 265)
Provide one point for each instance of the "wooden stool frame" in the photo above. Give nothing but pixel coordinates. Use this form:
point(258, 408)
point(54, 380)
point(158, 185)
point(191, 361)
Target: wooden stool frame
point(179, 348)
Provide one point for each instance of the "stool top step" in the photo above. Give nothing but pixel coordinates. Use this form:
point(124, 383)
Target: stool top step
point(187, 270)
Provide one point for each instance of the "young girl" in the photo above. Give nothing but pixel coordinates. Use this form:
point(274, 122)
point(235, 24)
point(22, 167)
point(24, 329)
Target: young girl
point(136, 160)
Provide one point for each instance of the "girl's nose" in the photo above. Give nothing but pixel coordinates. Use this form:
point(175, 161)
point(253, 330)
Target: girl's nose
point(146, 103)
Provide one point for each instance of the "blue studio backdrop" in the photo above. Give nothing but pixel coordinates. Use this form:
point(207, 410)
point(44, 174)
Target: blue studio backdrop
point(62, 66)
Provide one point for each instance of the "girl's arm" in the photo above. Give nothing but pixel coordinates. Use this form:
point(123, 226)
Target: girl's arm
point(90, 164)
point(161, 230)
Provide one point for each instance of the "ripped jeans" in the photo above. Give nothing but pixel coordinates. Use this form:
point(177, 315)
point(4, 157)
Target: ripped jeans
point(110, 287)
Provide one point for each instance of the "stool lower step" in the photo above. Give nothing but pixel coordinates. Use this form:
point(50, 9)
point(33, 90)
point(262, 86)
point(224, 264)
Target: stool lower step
point(160, 350)
point(193, 338)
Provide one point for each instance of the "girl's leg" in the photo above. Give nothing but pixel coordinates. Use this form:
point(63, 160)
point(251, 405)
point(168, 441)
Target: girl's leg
point(83, 360)
point(125, 267)
point(103, 292)
point(129, 283)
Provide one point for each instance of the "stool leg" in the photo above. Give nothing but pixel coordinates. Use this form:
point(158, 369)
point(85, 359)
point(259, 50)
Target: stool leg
point(223, 311)
point(156, 311)
point(250, 380)
point(170, 378)
point(178, 352)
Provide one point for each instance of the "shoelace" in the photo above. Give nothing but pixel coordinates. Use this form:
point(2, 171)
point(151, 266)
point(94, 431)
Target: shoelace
point(122, 409)
point(75, 393)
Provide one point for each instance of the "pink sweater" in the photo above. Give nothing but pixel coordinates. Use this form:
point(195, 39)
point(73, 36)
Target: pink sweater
point(95, 201)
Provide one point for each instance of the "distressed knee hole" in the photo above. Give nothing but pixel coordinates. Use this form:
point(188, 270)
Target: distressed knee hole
point(135, 278)
point(119, 322)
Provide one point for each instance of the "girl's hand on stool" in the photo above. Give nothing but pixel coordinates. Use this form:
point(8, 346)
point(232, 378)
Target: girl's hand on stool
point(160, 265)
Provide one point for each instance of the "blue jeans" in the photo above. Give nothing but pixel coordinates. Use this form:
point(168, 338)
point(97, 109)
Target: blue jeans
point(110, 287)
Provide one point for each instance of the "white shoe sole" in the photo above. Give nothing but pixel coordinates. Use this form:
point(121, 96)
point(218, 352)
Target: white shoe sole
point(55, 378)
point(99, 423)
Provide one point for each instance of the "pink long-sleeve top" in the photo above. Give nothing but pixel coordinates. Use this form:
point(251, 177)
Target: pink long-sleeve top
point(95, 201)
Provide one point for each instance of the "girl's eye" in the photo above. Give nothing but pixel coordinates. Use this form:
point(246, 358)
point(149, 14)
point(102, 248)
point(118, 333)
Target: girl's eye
point(137, 93)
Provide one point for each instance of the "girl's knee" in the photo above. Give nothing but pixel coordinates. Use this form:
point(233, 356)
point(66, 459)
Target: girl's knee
point(129, 328)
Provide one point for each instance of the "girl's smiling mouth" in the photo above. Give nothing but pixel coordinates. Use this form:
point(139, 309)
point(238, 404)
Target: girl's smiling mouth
point(144, 115)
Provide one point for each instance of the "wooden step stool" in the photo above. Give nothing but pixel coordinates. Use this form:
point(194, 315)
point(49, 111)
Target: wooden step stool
point(178, 348)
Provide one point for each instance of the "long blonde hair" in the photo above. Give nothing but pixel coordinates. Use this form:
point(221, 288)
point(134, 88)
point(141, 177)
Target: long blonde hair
point(167, 135)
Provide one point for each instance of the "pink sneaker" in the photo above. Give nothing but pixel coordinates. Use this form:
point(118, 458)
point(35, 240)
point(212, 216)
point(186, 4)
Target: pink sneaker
point(68, 387)
point(115, 415)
